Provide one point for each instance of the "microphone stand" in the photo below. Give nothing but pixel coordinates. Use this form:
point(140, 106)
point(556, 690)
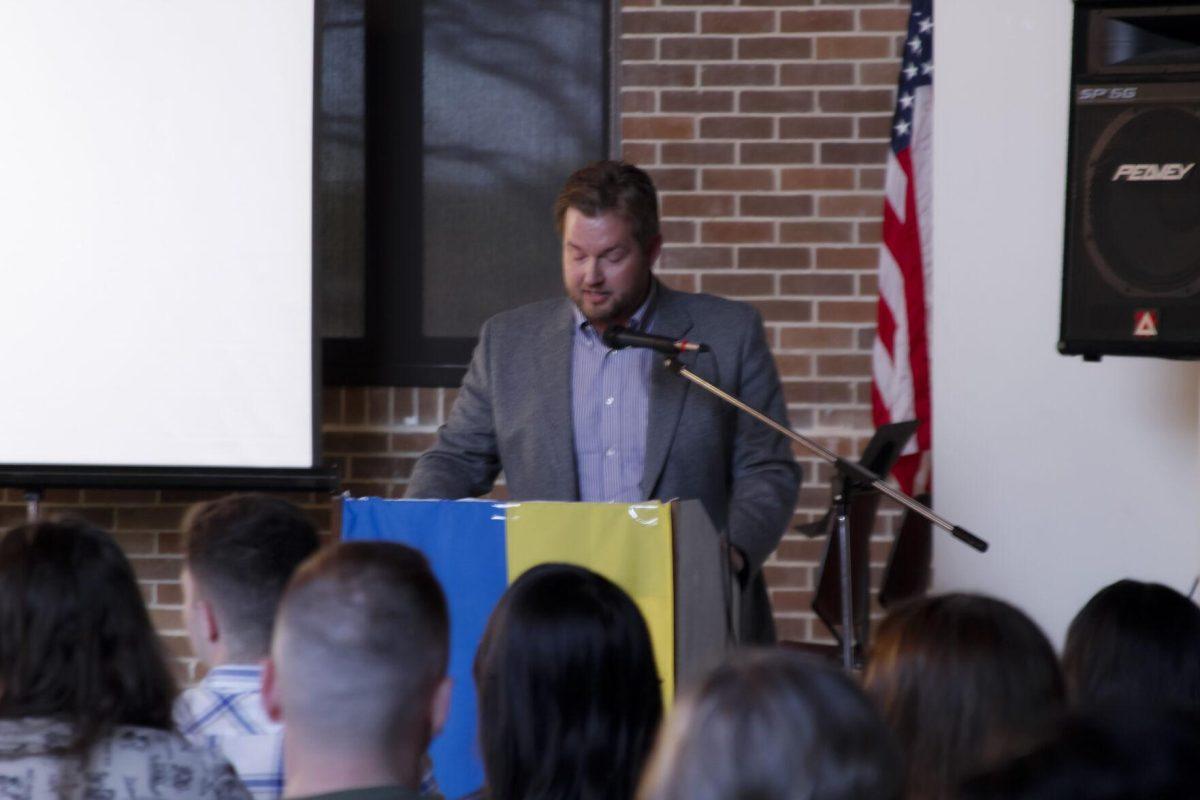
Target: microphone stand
point(852, 474)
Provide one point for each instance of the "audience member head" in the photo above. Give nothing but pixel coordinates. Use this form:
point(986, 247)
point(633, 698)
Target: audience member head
point(357, 670)
point(76, 642)
point(1134, 644)
point(1149, 754)
point(771, 725)
point(569, 696)
point(613, 186)
point(963, 681)
point(239, 553)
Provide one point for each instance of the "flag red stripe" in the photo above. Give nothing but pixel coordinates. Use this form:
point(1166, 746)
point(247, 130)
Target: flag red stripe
point(886, 329)
point(913, 268)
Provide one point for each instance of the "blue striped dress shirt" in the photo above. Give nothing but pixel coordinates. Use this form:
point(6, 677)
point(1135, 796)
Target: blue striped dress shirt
point(610, 405)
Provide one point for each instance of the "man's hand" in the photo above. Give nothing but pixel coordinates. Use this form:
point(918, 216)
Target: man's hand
point(737, 562)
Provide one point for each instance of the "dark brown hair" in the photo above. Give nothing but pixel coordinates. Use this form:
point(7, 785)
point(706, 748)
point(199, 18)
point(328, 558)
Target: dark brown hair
point(1134, 644)
point(1143, 754)
point(76, 642)
point(569, 696)
point(772, 725)
point(962, 680)
point(604, 186)
point(241, 550)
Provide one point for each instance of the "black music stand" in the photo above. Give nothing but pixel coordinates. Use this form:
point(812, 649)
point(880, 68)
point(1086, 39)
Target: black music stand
point(842, 599)
point(910, 561)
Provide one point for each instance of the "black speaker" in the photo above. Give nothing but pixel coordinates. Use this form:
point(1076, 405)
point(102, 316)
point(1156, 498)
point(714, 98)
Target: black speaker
point(1131, 266)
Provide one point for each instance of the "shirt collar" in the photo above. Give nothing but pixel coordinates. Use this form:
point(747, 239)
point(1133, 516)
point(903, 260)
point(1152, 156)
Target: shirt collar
point(640, 321)
point(233, 677)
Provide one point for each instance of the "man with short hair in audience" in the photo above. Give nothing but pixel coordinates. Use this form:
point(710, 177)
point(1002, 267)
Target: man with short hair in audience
point(357, 672)
point(239, 553)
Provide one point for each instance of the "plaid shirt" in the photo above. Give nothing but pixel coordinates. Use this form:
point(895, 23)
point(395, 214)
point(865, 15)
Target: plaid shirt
point(225, 713)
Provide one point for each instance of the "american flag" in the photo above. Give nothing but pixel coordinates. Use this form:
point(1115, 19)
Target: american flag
point(900, 390)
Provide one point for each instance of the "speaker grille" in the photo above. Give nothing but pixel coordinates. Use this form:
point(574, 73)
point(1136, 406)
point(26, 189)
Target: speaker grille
point(1143, 235)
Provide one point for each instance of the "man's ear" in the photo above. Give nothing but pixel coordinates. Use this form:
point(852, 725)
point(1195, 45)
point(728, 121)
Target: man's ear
point(271, 701)
point(653, 250)
point(210, 627)
point(440, 709)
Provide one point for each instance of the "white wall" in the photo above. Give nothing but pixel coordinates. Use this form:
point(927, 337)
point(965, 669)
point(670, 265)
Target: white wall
point(1078, 474)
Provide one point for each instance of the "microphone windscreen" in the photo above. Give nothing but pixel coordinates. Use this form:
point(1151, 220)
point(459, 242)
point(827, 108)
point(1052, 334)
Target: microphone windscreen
point(610, 336)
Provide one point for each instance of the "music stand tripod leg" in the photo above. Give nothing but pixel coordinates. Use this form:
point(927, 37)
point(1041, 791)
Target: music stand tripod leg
point(842, 506)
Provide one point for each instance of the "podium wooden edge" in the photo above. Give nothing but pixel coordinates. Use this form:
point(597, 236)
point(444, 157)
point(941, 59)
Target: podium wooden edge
point(705, 593)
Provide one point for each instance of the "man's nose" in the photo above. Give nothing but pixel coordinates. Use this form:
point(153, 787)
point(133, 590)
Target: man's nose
point(592, 274)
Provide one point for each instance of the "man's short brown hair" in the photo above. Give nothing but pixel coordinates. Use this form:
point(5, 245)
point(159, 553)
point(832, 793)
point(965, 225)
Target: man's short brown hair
point(604, 186)
point(241, 550)
point(362, 643)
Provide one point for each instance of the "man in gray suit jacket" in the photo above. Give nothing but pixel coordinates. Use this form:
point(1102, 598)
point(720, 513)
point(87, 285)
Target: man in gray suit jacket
point(567, 418)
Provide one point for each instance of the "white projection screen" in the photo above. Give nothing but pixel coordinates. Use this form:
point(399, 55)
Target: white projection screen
point(156, 239)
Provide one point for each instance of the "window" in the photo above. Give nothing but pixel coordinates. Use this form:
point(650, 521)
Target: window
point(445, 129)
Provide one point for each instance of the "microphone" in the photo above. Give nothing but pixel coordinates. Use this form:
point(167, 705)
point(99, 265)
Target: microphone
point(618, 337)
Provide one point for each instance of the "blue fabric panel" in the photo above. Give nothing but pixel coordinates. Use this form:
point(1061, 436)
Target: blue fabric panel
point(465, 543)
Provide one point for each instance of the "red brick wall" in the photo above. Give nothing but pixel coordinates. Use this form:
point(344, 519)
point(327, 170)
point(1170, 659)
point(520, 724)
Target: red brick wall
point(765, 126)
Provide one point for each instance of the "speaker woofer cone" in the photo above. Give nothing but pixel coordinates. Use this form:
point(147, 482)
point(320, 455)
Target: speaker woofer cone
point(1143, 235)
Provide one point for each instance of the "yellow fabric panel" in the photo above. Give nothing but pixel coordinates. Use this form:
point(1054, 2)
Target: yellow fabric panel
point(628, 544)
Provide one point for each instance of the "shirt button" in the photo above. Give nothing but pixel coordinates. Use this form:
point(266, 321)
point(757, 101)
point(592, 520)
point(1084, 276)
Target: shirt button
point(612, 451)
point(608, 401)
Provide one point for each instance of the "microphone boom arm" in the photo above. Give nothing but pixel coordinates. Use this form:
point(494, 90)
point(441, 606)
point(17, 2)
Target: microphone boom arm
point(848, 468)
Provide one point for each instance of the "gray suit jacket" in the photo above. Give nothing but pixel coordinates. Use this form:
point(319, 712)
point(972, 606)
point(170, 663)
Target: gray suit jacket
point(513, 412)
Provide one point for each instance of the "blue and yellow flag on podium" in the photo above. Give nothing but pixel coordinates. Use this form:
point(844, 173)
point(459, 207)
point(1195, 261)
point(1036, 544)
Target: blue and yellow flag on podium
point(477, 548)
